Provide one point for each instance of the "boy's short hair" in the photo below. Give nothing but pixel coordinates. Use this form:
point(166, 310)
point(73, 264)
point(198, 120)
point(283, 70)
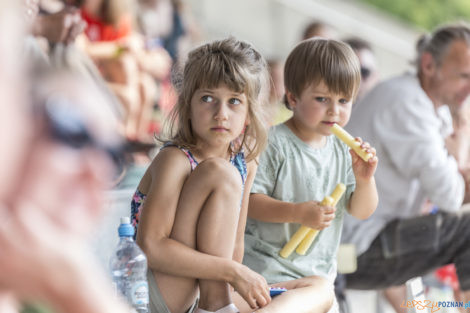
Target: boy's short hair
point(317, 59)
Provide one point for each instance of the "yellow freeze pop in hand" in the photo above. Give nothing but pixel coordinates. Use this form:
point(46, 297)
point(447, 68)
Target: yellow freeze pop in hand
point(332, 200)
point(303, 230)
point(294, 241)
point(349, 140)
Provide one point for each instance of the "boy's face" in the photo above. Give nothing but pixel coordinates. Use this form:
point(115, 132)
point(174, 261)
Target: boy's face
point(317, 109)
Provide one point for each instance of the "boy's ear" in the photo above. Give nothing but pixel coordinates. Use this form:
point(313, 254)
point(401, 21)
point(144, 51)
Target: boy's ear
point(291, 99)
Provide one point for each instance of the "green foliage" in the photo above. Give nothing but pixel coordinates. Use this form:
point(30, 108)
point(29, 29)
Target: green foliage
point(36, 308)
point(426, 14)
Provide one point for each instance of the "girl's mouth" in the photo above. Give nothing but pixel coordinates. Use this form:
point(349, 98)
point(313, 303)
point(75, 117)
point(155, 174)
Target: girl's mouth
point(219, 129)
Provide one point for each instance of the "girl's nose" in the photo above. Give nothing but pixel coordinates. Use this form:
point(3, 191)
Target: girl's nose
point(221, 113)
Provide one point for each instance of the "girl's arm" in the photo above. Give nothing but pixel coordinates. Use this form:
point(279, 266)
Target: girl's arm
point(240, 240)
point(169, 172)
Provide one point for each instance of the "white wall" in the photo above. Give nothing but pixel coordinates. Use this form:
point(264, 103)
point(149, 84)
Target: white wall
point(275, 26)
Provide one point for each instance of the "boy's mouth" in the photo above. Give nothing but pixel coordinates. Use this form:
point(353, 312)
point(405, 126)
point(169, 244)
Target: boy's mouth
point(329, 123)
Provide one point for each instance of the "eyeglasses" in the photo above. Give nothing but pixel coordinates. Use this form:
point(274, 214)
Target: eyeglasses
point(66, 125)
point(365, 72)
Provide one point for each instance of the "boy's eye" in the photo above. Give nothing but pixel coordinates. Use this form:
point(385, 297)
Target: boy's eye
point(235, 101)
point(321, 99)
point(343, 101)
point(207, 99)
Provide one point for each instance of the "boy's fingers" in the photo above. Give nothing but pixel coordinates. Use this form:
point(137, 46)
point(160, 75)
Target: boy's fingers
point(329, 210)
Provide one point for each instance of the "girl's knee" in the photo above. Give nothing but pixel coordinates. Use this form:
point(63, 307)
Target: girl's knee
point(220, 173)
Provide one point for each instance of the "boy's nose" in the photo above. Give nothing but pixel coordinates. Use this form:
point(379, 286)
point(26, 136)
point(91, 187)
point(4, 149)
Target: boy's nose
point(333, 109)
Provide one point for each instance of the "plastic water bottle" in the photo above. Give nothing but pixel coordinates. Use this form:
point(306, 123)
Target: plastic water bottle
point(129, 269)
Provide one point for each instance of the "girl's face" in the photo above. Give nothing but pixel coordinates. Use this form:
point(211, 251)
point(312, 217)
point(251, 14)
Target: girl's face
point(317, 109)
point(218, 115)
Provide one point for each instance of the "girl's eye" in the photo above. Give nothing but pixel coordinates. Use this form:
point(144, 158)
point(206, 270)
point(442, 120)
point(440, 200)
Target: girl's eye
point(207, 99)
point(235, 101)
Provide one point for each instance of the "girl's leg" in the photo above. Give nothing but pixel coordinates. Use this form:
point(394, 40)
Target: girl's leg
point(312, 294)
point(206, 220)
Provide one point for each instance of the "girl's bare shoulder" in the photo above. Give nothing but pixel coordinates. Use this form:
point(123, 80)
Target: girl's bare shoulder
point(171, 159)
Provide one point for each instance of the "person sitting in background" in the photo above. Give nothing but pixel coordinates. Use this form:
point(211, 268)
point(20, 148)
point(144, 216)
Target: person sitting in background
point(407, 119)
point(124, 61)
point(318, 29)
point(276, 112)
point(369, 72)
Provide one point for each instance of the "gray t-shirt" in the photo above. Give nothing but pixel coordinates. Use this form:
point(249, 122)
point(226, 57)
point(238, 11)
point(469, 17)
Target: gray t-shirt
point(292, 171)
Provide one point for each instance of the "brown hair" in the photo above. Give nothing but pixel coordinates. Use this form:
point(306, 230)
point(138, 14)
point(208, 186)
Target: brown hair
point(241, 68)
point(317, 59)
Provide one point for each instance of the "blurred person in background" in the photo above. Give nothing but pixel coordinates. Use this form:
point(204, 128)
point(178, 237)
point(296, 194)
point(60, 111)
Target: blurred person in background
point(407, 120)
point(276, 112)
point(55, 162)
point(369, 71)
point(318, 29)
point(131, 68)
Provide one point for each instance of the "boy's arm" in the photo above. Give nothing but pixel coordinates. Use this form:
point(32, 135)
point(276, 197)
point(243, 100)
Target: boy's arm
point(264, 208)
point(364, 199)
point(310, 213)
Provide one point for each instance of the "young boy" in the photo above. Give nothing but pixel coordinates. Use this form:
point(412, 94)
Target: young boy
point(301, 165)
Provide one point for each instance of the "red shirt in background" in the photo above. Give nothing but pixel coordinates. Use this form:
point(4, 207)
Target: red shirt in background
point(99, 31)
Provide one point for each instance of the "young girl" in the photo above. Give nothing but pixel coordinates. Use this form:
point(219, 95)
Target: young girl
point(190, 206)
point(301, 165)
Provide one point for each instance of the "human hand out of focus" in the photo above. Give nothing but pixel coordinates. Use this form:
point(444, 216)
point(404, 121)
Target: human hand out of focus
point(61, 27)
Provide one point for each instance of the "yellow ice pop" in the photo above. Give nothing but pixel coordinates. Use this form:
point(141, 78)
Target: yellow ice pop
point(290, 246)
point(349, 140)
point(303, 230)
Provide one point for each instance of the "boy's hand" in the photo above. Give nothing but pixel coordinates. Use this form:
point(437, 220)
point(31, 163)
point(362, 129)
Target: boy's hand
point(315, 215)
point(364, 171)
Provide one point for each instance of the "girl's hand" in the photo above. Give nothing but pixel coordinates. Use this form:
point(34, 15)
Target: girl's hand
point(251, 286)
point(364, 171)
point(315, 215)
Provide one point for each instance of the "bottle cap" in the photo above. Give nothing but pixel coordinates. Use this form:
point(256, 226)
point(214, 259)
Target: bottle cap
point(126, 229)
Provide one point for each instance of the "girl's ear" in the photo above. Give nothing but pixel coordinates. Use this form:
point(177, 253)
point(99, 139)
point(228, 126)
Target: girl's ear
point(247, 120)
point(291, 99)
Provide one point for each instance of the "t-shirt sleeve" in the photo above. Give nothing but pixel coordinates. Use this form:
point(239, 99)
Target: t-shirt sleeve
point(268, 169)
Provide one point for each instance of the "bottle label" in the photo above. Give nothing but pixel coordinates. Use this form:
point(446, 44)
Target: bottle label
point(140, 293)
